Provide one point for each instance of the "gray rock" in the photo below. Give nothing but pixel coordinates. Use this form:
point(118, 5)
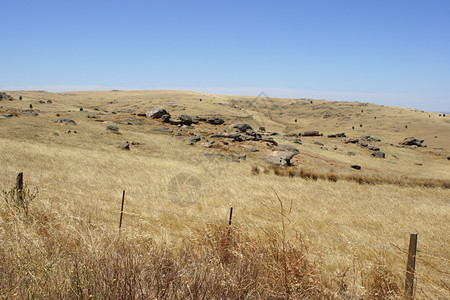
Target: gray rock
point(286, 148)
point(193, 139)
point(185, 120)
point(269, 140)
point(373, 148)
point(279, 158)
point(311, 133)
point(262, 129)
point(131, 121)
point(242, 127)
point(379, 154)
point(8, 115)
point(412, 142)
point(370, 139)
point(125, 146)
point(165, 118)
point(156, 112)
point(5, 96)
point(318, 143)
point(297, 141)
point(250, 148)
point(215, 121)
point(351, 141)
point(342, 134)
point(351, 153)
point(163, 129)
point(67, 121)
point(112, 128)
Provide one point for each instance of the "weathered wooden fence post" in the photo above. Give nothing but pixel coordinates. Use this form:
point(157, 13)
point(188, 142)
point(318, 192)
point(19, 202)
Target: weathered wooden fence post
point(410, 267)
point(231, 216)
point(19, 186)
point(121, 210)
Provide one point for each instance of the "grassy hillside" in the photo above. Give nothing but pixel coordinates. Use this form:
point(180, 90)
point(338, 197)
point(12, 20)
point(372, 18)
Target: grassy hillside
point(291, 236)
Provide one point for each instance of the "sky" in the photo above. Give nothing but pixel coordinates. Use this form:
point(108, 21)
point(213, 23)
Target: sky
point(390, 52)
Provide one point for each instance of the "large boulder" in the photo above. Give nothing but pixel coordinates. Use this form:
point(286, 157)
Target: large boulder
point(412, 142)
point(156, 112)
point(279, 158)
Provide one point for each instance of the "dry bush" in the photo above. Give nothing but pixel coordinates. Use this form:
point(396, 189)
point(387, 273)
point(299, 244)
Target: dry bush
point(361, 179)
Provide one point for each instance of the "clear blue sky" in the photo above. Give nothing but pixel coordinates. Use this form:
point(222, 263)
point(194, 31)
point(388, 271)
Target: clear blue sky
point(388, 52)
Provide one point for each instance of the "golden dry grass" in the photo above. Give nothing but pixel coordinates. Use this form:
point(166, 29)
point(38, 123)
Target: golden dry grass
point(341, 239)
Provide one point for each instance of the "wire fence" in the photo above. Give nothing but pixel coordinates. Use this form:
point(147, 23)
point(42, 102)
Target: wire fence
point(143, 215)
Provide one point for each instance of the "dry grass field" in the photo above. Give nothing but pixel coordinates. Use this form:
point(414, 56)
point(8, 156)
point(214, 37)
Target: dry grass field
point(334, 233)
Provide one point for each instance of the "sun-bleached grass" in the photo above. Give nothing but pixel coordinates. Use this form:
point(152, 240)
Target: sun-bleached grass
point(342, 239)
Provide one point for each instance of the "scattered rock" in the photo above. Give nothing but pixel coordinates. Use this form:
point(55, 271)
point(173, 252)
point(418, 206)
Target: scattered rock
point(67, 121)
point(356, 167)
point(373, 148)
point(379, 154)
point(412, 142)
point(297, 141)
point(364, 144)
point(262, 129)
point(312, 133)
point(112, 128)
point(318, 143)
point(156, 112)
point(141, 114)
point(279, 158)
point(125, 146)
point(55, 134)
point(351, 153)
point(327, 115)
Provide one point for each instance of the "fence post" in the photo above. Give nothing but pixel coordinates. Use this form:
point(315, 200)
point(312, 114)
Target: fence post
point(19, 186)
point(410, 267)
point(231, 216)
point(121, 210)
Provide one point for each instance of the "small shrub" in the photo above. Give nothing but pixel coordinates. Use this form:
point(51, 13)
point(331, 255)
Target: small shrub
point(20, 199)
